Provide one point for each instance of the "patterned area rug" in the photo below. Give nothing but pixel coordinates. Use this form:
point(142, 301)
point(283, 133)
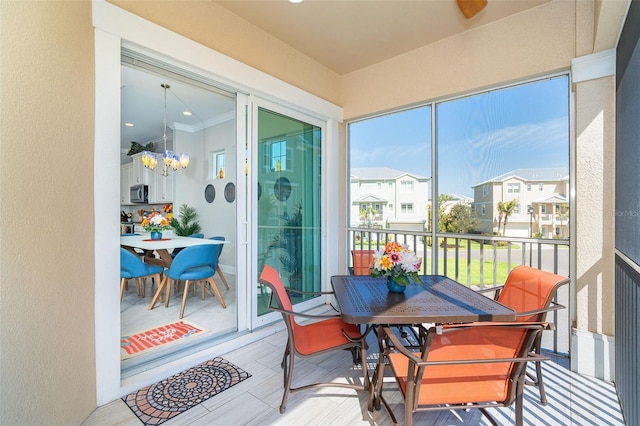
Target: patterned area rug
point(136, 343)
point(164, 400)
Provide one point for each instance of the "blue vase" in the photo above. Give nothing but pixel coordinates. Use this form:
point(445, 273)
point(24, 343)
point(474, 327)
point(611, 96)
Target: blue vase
point(394, 287)
point(156, 235)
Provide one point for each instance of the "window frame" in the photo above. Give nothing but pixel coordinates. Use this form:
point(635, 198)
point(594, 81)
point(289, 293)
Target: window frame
point(487, 194)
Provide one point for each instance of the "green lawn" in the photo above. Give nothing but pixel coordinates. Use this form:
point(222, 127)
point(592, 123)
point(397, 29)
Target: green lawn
point(476, 245)
point(501, 271)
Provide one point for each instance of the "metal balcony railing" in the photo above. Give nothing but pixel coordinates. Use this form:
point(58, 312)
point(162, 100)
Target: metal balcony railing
point(481, 261)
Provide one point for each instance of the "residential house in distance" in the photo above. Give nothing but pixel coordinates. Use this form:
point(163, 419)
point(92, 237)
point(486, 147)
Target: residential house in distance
point(455, 199)
point(382, 196)
point(542, 203)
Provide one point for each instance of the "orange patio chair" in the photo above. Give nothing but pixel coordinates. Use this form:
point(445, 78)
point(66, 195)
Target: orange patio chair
point(531, 292)
point(361, 261)
point(306, 340)
point(459, 367)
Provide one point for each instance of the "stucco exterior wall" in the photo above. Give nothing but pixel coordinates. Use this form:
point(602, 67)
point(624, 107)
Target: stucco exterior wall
point(47, 355)
point(595, 150)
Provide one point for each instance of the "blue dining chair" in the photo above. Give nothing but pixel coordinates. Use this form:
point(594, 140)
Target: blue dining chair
point(217, 263)
point(192, 264)
point(131, 267)
point(175, 251)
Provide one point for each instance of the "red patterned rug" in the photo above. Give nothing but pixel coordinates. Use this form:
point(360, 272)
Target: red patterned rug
point(136, 343)
point(164, 400)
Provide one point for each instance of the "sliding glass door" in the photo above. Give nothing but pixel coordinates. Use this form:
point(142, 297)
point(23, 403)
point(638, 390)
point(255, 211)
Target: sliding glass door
point(288, 159)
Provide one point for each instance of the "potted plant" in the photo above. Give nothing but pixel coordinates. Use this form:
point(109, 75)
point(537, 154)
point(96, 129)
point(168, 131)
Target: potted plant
point(289, 240)
point(397, 263)
point(188, 223)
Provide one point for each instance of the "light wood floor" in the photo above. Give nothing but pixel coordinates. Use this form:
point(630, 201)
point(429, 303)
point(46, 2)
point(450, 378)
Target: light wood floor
point(573, 399)
point(206, 314)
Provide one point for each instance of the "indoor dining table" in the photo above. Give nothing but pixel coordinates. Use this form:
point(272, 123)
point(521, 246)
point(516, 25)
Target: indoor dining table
point(162, 246)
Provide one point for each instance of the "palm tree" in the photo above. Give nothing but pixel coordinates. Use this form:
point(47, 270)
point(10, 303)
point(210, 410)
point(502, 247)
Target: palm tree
point(500, 209)
point(507, 210)
point(564, 214)
point(367, 214)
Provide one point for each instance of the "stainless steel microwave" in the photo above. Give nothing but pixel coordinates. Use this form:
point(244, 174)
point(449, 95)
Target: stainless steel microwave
point(139, 194)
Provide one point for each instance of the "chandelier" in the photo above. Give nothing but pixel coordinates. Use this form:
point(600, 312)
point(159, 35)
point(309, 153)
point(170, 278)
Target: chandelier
point(170, 162)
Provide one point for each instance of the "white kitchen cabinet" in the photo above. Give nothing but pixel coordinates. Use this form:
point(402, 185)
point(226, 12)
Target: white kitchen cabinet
point(160, 187)
point(141, 175)
point(162, 190)
point(126, 175)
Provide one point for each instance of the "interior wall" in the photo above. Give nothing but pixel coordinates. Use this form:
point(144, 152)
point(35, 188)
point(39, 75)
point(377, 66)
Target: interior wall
point(47, 365)
point(219, 217)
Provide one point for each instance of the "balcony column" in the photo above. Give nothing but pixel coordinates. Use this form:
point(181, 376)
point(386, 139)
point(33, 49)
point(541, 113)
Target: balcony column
point(593, 312)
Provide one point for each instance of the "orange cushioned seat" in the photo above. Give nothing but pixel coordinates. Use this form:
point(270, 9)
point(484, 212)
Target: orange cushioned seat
point(330, 334)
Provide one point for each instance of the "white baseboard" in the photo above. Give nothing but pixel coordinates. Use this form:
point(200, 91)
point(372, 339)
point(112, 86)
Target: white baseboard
point(593, 354)
point(226, 269)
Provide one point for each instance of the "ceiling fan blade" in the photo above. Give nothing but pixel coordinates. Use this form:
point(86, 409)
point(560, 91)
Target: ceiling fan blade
point(469, 8)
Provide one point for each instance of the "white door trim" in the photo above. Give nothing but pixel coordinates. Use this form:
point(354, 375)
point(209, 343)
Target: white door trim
point(114, 28)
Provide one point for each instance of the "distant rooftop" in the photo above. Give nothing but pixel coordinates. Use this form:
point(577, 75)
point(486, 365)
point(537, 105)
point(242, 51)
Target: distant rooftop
point(459, 197)
point(372, 173)
point(532, 175)
point(370, 198)
point(553, 198)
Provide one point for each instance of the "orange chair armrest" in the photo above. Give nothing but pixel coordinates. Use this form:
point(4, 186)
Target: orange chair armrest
point(291, 290)
point(554, 307)
point(301, 314)
point(419, 362)
point(496, 291)
point(442, 328)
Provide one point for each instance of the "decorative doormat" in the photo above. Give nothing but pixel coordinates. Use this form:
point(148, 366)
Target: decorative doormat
point(136, 343)
point(164, 400)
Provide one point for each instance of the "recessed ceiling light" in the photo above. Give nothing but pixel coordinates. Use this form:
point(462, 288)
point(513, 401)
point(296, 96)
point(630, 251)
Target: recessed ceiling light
point(129, 124)
point(296, 1)
point(187, 113)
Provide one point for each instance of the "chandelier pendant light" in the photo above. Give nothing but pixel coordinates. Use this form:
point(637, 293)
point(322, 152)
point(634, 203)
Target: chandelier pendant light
point(170, 162)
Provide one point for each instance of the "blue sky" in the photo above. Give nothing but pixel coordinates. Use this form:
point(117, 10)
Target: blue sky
point(479, 136)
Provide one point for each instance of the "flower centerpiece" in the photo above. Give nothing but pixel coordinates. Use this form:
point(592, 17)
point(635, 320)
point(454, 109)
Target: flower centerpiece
point(155, 223)
point(397, 263)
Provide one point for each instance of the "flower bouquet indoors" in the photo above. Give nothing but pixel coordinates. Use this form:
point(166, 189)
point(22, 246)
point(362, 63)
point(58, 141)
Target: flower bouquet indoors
point(155, 222)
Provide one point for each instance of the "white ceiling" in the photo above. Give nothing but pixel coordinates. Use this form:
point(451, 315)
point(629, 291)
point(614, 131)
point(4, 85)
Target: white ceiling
point(347, 35)
point(343, 35)
point(142, 103)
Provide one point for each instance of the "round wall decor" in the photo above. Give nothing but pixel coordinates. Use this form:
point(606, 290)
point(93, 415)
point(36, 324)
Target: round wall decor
point(209, 193)
point(282, 189)
point(230, 192)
